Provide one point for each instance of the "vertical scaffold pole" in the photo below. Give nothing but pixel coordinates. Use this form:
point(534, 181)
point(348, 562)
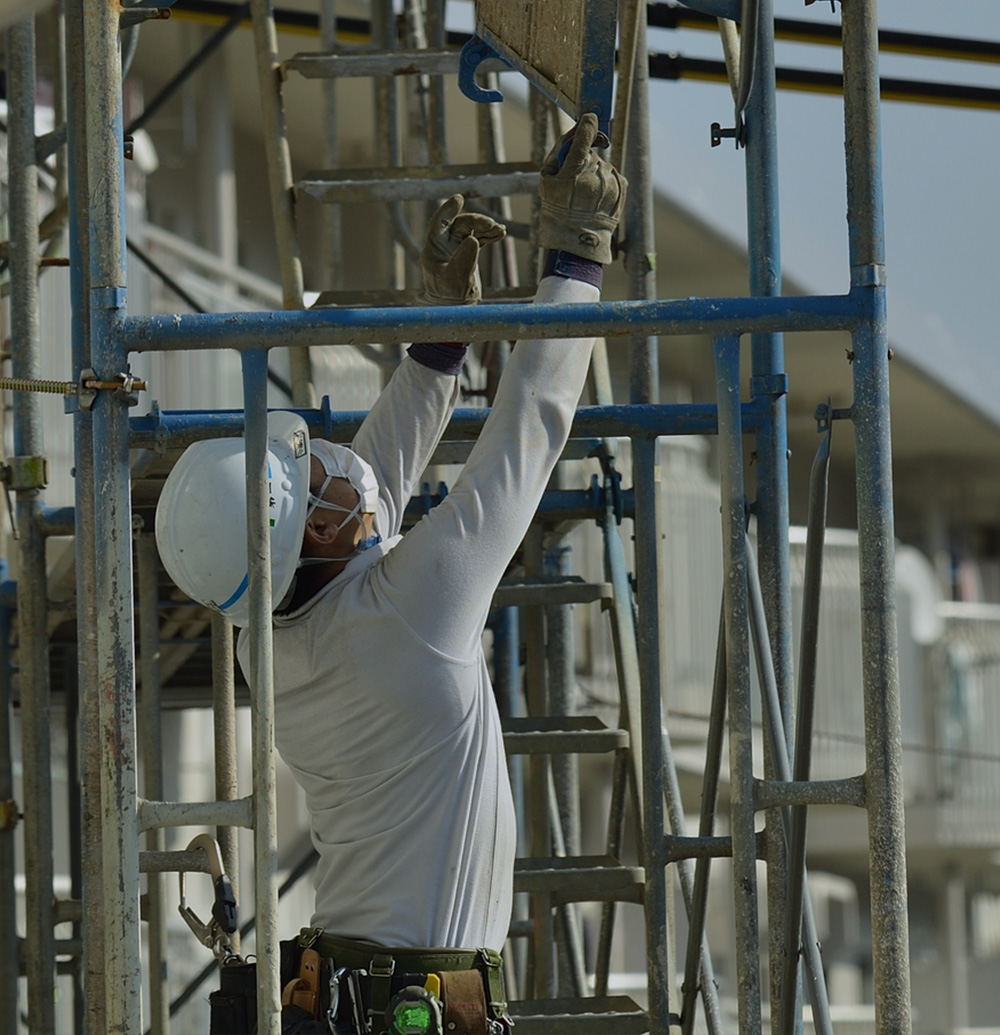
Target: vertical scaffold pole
point(640, 257)
point(33, 676)
point(112, 544)
point(262, 695)
point(736, 603)
point(8, 869)
point(279, 168)
point(151, 741)
point(659, 961)
point(768, 382)
point(883, 749)
point(92, 928)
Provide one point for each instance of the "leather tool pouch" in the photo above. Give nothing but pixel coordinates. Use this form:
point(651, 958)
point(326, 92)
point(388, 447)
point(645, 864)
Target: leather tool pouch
point(463, 997)
point(303, 991)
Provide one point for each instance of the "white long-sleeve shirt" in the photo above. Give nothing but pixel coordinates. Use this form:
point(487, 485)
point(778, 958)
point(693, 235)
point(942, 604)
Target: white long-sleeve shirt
point(384, 709)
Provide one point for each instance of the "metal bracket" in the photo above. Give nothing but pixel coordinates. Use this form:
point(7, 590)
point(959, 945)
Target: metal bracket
point(23, 473)
point(739, 134)
point(128, 389)
point(5, 479)
point(86, 396)
point(125, 387)
point(774, 385)
point(825, 415)
point(474, 52)
point(612, 486)
point(137, 15)
point(9, 814)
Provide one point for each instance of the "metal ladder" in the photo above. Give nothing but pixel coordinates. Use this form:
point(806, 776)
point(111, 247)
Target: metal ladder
point(549, 880)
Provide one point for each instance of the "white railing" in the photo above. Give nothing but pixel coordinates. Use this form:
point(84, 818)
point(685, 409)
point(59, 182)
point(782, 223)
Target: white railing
point(218, 280)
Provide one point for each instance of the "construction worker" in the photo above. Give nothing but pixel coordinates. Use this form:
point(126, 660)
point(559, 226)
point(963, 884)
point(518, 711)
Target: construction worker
point(384, 709)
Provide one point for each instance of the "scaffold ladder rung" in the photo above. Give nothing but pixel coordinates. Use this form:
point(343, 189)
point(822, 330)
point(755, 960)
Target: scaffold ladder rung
point(475, 180)
point(561, 734)
point(597, 1015)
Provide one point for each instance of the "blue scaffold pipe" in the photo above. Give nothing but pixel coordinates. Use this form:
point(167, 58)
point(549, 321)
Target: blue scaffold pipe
point(178, 429)
point(318, 327)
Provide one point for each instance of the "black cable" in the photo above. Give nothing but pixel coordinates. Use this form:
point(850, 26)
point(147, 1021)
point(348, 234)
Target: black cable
point(151, 264)
point(673, 16)
point(154, 267)
point(677, 66)
point(237, 15)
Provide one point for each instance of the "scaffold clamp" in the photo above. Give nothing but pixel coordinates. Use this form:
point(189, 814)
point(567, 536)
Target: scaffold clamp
point(126, 387)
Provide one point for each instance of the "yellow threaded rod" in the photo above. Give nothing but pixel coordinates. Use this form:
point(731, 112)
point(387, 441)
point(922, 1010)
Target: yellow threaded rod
point(26, 384)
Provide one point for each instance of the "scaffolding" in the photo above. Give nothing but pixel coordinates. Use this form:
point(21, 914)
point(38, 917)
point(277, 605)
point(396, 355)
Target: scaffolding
point(755, 627)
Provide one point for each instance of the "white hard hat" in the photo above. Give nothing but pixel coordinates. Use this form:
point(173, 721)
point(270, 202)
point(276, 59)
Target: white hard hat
point(201, 516)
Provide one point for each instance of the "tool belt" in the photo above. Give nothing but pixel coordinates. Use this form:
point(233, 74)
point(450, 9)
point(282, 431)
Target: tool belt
point(346, 987)
point(458, 991)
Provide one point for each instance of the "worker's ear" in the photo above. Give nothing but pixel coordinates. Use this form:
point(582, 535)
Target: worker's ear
point(320, 531)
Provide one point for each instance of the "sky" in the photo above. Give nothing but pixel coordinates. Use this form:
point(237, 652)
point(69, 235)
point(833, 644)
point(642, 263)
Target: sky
point(941, 169)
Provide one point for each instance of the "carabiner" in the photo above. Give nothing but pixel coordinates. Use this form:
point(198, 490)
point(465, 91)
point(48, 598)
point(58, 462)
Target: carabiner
point(215, 934)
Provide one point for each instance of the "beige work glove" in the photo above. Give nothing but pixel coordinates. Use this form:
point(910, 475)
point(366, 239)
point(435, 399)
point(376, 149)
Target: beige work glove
point(450, 256)
point(582, 200)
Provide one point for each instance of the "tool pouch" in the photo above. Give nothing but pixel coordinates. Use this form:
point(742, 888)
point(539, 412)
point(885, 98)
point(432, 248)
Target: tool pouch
point(464, 998)
point(233, 1008)
point(303, 990)
point(304, 982)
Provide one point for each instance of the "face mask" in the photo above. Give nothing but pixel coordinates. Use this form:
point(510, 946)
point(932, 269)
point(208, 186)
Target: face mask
point(340, 462)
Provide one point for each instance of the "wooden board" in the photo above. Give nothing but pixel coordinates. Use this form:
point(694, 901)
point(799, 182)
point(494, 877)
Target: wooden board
point(565, 47)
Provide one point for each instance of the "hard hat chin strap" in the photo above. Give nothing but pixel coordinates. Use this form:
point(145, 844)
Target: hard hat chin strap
point(316, 500)
point(359, 547)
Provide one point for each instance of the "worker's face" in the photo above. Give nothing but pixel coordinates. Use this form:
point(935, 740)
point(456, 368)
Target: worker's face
point(340, 493)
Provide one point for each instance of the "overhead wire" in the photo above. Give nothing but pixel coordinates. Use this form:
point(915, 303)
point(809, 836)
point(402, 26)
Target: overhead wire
point(676, 66)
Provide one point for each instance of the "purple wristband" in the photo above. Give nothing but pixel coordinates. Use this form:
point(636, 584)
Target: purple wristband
point(444, 357)
point(573, 267)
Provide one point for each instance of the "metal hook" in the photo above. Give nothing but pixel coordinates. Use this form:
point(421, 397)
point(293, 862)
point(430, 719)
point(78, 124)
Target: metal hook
point(474, 52)
point(224, 922)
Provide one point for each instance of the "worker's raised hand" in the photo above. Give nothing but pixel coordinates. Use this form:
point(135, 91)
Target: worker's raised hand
point(450, 256)
point(582, 195)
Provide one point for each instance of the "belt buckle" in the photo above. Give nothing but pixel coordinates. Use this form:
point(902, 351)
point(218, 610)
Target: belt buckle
point(382, 966)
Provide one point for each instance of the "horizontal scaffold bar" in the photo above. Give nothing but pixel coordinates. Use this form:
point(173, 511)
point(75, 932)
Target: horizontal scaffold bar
point(178, 429)
point(235, 813)
point(318, 327)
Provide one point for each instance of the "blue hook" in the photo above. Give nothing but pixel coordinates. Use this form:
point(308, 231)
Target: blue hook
point(474, 52)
